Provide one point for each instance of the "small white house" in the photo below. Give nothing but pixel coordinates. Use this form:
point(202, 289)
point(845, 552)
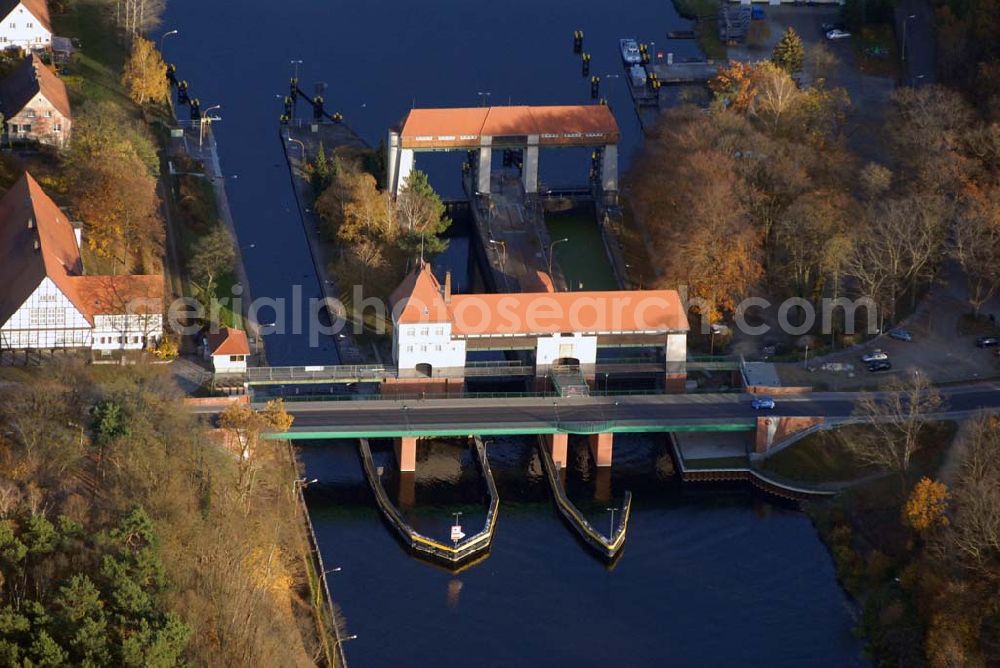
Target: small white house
point(25, 24)
point(228, 349)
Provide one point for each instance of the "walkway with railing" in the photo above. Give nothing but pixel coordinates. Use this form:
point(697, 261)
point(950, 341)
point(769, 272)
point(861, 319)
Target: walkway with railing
point(452, 555)
point(606, 546)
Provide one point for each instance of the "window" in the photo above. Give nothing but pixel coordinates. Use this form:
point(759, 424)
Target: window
point(237, 358)
point(13, 25)
point(47, 316)
point(423, 332)
point(409, 349)
point(26, 128)
point(437, 348)
point(31, 113)
point(30, 25)
point(14, 128)
point(48, 114)
point(57, 127)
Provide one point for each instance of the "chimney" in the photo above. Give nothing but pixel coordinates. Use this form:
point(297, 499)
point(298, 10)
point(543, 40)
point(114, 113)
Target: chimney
point(447, 287)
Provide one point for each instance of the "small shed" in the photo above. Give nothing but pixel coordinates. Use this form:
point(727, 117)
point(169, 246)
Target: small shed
point(228, 349)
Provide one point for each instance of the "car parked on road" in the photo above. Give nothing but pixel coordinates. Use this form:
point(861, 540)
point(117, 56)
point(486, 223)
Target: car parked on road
point(837, 34)
point(760, 403)
point(901, 335)
point(880, 365)
point(874, 356)
point(827, 27)
point(987, 341)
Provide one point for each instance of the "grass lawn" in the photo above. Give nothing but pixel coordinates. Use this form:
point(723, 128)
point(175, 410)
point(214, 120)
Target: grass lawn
point(716, 463)
point(825, 457)
point(95, 72)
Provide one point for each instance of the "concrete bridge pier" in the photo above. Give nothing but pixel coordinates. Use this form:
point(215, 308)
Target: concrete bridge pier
point(407, 489)
point(601, 447)
point(530, 166)
point(485, 165)
point(559, 445)
point(602, 485)
point(406, 453)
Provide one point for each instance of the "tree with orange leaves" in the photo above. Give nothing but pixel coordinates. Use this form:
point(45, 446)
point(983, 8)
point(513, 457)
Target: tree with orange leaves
point(926, 507)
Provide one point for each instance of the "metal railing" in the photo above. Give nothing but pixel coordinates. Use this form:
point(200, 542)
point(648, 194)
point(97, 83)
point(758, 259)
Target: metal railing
point(607, 546)
point(450, 554)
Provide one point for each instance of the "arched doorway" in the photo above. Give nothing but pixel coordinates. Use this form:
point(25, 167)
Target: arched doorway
point(424, 369)
point(568, 363)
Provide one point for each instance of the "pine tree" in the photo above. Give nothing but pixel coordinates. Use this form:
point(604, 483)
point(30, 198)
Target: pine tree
point(789, 52)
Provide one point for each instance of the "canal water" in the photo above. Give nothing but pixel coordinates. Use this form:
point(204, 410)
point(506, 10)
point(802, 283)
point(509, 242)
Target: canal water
point(710, 576)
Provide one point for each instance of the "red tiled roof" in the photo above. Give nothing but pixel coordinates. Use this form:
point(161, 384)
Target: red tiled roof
point(27, 80)
point(465, 125)
point(114, 295)
point(228, 342)
point(540, 313)
point(47, 248)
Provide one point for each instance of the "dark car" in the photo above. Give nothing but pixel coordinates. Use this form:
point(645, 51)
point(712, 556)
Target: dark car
point(827, 27)
point(987, 341)
point(880, 365)
point(901, 335)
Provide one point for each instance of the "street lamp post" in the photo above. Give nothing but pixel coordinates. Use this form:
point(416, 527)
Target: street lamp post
point(503, 250)
point(484, 97)
point(301, 145)
point(295, 64)
point(551, 248)
point(205, 118)
point(902, 52)
point(611, 533)
point(166, 35)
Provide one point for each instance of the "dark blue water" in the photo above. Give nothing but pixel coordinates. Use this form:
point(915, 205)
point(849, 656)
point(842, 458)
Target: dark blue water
point(709, 576)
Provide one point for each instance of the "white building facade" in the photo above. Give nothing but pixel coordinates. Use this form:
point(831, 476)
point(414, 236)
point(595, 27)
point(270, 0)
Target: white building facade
point(48, 319)
point(25, 25)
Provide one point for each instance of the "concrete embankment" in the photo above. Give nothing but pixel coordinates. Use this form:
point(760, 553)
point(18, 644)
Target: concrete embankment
point(606, 546)
point(452, 555)
point(763, 481)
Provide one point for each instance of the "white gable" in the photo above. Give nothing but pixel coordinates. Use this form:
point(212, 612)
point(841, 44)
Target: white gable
point(47, 319)
point(22, 28)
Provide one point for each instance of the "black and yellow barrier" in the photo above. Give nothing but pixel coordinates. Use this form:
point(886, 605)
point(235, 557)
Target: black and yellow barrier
point(453, 555)
point(609, 546)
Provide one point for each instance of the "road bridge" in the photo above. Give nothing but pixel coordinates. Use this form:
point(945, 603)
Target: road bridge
point(598, 417)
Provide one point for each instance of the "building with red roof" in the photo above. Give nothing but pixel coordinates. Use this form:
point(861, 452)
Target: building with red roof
point(434, 330)
point(46, 299)
point(228, 349)
point(523, 128)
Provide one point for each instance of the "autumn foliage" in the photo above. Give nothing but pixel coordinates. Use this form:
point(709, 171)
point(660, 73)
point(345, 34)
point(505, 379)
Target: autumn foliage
point(925, 509)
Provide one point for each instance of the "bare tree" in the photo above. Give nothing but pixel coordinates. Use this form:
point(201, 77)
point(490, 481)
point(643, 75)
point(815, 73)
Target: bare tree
point(973, 533)
point(894, 419)
point(977, 248)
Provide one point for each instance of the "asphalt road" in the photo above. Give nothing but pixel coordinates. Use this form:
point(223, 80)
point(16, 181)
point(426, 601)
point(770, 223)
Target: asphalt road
point(483, 415)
